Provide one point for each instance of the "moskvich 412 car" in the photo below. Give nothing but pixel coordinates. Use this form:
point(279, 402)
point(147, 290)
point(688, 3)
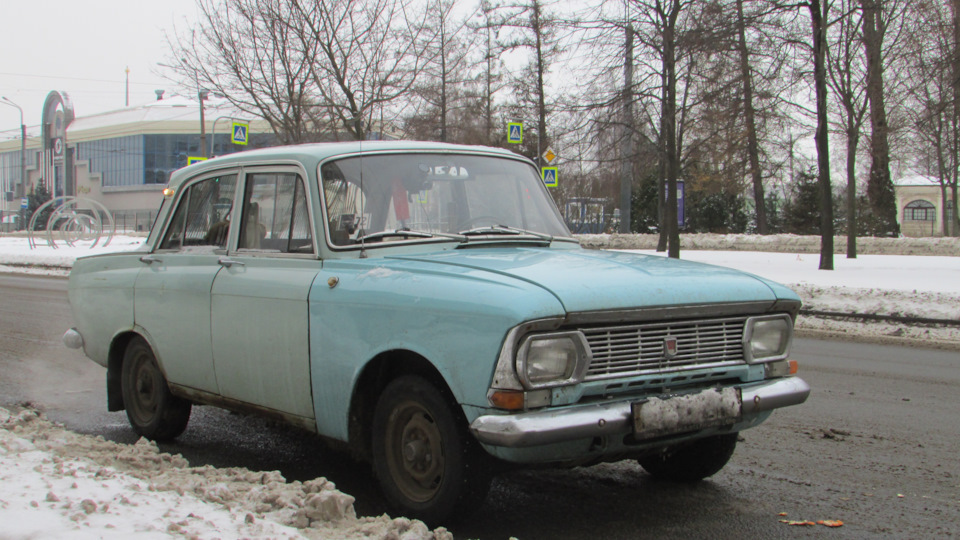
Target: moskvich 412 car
point(425, 306)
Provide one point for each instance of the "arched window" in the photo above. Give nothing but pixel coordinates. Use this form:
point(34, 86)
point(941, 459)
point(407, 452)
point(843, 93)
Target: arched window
point(919, 211)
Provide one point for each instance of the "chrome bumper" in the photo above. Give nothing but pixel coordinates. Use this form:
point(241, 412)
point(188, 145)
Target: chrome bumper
point(597, 420)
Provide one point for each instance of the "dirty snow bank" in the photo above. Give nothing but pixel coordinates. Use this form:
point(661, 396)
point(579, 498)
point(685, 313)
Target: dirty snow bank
point(17, 257)
point(897, 285)
point(58, 484)
point(782, 243)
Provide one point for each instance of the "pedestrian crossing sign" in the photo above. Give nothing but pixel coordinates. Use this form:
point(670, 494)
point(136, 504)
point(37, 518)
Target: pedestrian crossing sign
point(238, 135)
point(195, 159)
point(549, 176)
point(515, 132)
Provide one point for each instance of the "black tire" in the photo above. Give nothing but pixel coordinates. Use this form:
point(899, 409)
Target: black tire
point(691, 462)
point(153, 411)
point(429, 467)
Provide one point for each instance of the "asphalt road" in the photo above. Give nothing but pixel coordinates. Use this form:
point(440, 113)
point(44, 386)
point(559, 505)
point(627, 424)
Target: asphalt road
point(875, 446)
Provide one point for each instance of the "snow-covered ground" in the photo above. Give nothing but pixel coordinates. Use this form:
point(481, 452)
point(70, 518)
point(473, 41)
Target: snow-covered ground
point(926, 287)
point(58, 484)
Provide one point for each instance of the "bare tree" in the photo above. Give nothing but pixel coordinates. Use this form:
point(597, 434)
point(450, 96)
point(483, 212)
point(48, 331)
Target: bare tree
point(818, 24)
point(370, 54)
point(246, 51)
point(847, 79)
point(879, 183)
point(447, 83)
point(659, 30)
point(931, 50)
point(955, 56)
point(753, 150)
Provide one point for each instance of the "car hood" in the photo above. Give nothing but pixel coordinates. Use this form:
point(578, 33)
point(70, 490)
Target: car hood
point(586, 280)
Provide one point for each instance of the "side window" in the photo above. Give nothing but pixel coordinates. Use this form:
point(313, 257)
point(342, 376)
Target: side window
point(203, 215)
point(275, 214)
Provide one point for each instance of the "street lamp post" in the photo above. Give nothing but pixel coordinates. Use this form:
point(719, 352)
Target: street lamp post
point(23, 148)
point(202, 95)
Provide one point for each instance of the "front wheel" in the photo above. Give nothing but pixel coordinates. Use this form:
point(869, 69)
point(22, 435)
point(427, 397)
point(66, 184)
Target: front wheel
point(153, 411)
point(691, 462)
point(428, 466)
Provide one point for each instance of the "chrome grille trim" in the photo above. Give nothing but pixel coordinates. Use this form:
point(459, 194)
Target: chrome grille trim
point(638, 349)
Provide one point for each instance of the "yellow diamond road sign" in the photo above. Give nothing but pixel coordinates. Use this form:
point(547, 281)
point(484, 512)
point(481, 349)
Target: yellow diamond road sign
point(549, 155)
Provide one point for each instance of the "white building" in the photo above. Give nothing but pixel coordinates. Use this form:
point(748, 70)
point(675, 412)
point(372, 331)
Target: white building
point(121, 158)
point(921, 205)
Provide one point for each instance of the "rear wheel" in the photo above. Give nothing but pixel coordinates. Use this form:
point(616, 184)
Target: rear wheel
point(153, 411)
point(691, 462)
point(428, 466)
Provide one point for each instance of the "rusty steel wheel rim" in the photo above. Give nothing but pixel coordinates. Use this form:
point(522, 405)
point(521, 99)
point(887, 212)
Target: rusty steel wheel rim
point(146, 389)
point(414, 448)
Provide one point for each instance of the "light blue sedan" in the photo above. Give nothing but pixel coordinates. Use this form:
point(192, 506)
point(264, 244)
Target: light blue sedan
point(425, 307)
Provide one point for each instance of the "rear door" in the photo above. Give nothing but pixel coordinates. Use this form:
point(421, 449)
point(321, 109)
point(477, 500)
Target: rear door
point(172, 291)
point(260, 315)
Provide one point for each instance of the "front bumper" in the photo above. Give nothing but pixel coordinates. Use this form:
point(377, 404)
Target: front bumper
point(603, 419)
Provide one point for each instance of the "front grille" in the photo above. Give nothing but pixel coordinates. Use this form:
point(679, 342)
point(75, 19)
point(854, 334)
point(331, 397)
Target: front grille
point(637, 349)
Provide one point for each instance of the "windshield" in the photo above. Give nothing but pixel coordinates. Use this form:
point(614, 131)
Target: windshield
point(402, 197)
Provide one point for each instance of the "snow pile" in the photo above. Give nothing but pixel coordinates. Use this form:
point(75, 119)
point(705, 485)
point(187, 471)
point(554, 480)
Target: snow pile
point(886, 285)
point(44, 259)
point(81, 487)
point(783, 243)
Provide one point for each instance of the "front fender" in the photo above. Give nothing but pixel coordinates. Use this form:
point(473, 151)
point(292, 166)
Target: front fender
point(456, 318)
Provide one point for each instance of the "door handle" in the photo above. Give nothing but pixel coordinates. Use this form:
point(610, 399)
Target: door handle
point(149, 259)
point(228, 262)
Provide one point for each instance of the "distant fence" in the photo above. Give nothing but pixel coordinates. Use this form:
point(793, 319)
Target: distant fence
point(139, 221)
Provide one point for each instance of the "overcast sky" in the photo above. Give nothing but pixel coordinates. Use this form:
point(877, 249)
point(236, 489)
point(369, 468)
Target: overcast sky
point(82, 47)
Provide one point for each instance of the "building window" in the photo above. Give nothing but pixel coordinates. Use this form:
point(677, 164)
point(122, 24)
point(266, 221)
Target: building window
point(920, 211)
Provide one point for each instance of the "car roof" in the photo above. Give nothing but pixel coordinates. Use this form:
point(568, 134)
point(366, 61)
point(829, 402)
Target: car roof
point(310, 155)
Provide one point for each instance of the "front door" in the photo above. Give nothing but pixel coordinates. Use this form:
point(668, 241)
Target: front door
point(172, 291)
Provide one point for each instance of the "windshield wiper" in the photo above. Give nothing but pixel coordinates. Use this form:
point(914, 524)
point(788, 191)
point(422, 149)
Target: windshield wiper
point(505, 229)
point(405, 233)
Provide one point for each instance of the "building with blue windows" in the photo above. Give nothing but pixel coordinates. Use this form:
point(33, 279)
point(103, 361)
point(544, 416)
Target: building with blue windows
point(122, 159)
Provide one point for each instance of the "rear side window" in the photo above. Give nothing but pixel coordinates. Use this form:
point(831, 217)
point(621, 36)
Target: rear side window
point(275, 214)
point(202, 217)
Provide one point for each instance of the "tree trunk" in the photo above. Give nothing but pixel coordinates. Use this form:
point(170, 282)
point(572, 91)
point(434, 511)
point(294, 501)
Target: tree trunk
point(879, 185)
point(670, 132)
point(626, 141)
point(542, 140)
point(853, 138)
point(443, 79)
point(955, 225)
point(662, 167)
point(753, 147)
point(818, 25)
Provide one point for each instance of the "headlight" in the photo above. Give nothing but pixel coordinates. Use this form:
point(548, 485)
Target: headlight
point(767, 339)
point(552, 359)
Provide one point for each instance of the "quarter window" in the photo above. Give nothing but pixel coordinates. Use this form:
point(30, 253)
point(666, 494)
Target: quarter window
point(275, 214)
point(203, 217)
